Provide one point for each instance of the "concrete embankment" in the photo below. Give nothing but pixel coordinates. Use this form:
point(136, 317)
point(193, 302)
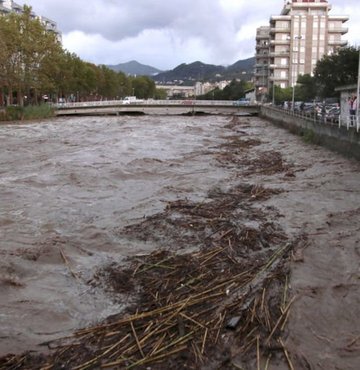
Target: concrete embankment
point(339, 139)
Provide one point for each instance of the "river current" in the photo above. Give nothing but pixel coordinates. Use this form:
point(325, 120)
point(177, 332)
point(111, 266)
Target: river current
point(66, 187)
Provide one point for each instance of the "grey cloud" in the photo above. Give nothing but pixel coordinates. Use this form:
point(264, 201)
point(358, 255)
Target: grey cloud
point(208, 24)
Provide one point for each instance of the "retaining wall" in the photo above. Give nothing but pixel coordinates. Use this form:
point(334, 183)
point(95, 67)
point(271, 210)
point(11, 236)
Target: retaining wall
point(340, 139)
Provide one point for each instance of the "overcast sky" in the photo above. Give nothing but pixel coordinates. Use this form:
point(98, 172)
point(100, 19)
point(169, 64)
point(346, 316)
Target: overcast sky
point(166, 33)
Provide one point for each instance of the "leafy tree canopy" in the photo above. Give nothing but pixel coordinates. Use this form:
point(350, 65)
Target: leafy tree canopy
point(340, 68)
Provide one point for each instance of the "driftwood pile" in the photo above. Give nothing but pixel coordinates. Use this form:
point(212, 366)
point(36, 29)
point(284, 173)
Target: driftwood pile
point(223, 306)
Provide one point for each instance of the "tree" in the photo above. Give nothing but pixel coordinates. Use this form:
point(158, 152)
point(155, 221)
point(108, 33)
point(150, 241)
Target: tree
point(144, 87)
point(306, 89)
point(234, 91)
point(30, 53)
point(281, 94)
point(340, 68)
point(160, 94)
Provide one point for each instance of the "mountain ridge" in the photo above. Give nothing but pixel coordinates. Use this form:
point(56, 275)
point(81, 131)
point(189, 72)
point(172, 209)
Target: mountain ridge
point(188, 73)
point(134, 68)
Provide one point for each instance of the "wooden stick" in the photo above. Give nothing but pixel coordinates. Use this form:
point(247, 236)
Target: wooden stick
point(285, 292)
point(258, 352)
point(279, 320)
point(137, 339)
point(68, 264)
point(190, 319)
point(268, 362)
point(286, 355)
point(263, 299)
point(204, 341)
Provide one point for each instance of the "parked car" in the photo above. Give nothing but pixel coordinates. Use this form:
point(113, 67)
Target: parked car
point(333, 114)
point(242, 101)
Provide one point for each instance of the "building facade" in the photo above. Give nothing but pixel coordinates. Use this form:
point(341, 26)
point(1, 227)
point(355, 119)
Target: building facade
point(296, 39)
point(262, 61)
point(9, 6)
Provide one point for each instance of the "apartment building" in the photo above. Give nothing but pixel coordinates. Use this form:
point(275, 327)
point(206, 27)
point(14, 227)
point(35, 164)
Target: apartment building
point(262, 61)
point(294, 41)
point(9, 6)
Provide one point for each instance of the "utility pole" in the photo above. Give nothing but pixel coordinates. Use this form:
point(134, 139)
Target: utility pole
point(297, 73)
point(358, 97)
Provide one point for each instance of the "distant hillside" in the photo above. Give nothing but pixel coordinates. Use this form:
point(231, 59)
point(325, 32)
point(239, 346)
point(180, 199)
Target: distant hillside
point(194, 71)
point(134, 68)
point(199, 71)
point(242, 65)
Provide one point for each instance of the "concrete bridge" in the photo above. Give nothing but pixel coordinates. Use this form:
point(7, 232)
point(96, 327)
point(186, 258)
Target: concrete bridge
point(158, 107)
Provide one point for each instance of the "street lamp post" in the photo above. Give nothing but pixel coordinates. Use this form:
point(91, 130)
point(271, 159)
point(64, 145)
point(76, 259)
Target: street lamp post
point(273, 92)
point(293, 75)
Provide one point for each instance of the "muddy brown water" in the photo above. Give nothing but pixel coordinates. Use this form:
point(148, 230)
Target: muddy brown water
point(67, 186)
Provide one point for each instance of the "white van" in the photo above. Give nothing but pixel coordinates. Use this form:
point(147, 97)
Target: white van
point(129, 99)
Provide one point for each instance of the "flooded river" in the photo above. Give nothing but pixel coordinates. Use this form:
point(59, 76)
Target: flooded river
point(69, 186)
point(66, 187)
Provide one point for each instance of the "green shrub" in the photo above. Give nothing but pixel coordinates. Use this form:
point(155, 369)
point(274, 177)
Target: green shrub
point(17, 113)
point(14, 113)
point(310, 137)
point(38, 111)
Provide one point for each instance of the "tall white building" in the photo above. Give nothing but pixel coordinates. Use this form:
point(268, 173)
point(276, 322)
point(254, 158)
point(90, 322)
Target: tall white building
point(297, 38)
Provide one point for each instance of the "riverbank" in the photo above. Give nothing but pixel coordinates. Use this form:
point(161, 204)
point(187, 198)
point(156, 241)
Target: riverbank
point(28, 113)
point(203, 224)
point(339, 138)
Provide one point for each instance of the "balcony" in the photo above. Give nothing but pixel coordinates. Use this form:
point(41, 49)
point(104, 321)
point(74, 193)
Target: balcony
point(262, 46)
point(279, 53)
point(279, 42)
point(280, 30)
point(261, 58)
point(261, 74)
point(338, 42)
point(342, 18)
point(341, 30)
point(274, 18)
point(278, 66)
point(262, 36)
point(278, 78)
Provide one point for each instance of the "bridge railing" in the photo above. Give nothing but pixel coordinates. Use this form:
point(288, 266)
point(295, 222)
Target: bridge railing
point(350, 122)
point(148, 102)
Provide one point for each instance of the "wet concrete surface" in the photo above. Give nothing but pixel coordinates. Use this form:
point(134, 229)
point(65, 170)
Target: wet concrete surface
point(68, 186)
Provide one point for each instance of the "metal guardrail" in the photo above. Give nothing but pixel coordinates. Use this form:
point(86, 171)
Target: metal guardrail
point(350, 122)
point(109, 103)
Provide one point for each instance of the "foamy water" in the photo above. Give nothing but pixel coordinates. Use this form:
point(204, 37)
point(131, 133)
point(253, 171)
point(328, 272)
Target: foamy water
point(66, 187)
